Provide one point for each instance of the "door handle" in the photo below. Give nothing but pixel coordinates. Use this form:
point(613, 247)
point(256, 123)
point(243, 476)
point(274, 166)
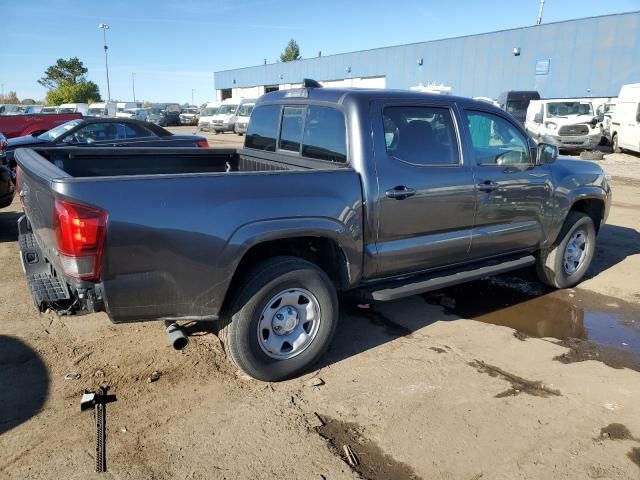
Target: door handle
point(400, 192)
point(487, 186)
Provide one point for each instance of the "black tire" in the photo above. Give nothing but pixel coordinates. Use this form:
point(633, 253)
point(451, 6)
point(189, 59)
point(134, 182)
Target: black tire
point(550, 262)
point(614, 144)
point(239, 325)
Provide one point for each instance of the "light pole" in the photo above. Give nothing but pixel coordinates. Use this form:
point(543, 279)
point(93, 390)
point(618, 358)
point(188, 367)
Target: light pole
point(539, 20)
point(133, 85)
point(104, 28)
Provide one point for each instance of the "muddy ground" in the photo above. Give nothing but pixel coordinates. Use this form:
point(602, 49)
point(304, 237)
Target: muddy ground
point(498, 379)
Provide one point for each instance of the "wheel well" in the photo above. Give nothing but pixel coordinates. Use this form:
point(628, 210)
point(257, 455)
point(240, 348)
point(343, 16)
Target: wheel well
point(592, 207)
point(323, 252)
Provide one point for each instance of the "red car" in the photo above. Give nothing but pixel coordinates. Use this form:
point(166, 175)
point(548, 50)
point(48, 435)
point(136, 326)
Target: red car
point(21, 125)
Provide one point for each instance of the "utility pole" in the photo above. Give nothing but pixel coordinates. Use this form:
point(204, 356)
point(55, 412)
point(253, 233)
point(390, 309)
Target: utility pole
point(104, 28)
point(133, 85)
point(539, 21)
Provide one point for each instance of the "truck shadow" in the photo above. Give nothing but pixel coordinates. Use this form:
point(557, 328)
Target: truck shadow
point(614, 245)
point(9, 226)
point(24, 383)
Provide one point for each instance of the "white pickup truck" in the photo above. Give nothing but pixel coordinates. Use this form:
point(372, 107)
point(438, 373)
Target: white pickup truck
point(567, 124)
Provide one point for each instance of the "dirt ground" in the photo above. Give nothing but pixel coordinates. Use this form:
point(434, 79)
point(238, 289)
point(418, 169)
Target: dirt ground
point(498, 379)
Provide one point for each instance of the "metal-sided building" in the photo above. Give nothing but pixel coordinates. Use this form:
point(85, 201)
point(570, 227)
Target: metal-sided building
point(589, 57)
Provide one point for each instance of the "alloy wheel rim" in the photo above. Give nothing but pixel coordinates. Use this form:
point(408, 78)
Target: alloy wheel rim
point(575, 252)
point(289, 323)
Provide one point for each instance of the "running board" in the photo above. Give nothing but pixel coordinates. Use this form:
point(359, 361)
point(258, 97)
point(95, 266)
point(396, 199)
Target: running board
point(447, 278)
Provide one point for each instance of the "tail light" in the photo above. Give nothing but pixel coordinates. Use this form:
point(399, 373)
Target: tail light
point(202, 143)
point(80, 232)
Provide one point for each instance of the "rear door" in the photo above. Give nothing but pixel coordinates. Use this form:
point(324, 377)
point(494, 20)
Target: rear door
point(514, 194)
point(426, 195)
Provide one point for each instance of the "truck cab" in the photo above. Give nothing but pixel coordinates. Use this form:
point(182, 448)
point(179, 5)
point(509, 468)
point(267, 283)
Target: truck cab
point(568, 124)
point(241, 120)
point(102, 109)
point(516, 102)
point(224, 118)
point(625, 121)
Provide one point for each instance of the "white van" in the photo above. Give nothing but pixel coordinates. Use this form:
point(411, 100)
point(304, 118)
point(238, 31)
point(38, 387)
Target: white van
point(242, 116)
point(569, 124)
point(82, 108)
point(625, 122)
point(223, 120)
point(122, 106)
point(206, 115)
point(102, 109)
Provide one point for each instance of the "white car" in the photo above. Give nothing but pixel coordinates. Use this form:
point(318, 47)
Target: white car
point(567, 124)
point(206, 115)
point(625, 122)
point(102, 109)
point(242, 118)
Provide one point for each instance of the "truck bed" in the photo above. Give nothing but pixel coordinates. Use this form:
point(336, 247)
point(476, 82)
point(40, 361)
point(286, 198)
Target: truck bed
point(179, 220)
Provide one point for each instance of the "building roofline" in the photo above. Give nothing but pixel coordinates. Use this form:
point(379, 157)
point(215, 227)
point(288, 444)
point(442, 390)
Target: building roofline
point(431, 41)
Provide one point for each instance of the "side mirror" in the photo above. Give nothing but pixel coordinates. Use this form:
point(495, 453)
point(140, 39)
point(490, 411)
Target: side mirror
point(537, 118)
point(547, 153)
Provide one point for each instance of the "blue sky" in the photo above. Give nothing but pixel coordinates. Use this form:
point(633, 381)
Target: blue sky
point(175, 46)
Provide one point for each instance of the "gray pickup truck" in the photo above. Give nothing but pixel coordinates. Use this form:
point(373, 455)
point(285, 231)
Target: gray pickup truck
point(380, 193)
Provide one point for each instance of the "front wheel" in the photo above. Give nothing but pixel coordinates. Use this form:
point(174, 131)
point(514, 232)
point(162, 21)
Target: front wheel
point(282, 319)
point(566, 262)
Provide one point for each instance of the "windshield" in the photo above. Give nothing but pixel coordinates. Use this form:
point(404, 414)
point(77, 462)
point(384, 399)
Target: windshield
point(564, 109)
point(157, 111)
point(245, 110)
point(66, 110)
point(209, 112)
point(227, 109)
point(60, 130)
point(96, 111)
point(189, 110)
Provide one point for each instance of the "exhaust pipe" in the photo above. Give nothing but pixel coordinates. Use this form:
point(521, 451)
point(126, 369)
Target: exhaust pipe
point(177, 338)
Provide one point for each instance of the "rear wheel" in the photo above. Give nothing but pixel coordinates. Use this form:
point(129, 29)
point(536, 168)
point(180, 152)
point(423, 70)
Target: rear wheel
point(282, 319)
point(566, 262)
point(614, 144)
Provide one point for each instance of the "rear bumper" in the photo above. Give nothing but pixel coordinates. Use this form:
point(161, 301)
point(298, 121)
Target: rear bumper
point(50, 289)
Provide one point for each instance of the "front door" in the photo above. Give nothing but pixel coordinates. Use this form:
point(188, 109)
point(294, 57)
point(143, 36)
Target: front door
point(426, 194)
point(513, 193)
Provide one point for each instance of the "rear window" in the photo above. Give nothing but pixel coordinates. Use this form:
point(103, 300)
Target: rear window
point(262, 132)
point(291, 130)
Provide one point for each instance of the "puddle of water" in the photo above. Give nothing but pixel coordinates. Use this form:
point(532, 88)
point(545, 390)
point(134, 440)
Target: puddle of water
point(526, 306)
point(371, 462)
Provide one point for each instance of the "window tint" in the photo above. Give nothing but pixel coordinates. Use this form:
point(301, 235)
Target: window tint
point(263, 128)
point(325, 135)
point(291, 130)
point(421, 135)
point(136, 131)
point(96, 132)
point(496, 141)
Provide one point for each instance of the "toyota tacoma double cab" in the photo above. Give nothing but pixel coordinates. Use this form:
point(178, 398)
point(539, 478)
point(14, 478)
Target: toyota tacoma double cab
point(380, 193)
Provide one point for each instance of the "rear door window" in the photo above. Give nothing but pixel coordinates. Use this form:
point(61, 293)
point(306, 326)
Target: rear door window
point(325, 135)
point(262, 133)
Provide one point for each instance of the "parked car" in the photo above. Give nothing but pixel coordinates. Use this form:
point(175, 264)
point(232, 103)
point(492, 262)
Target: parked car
point(625, 121)
point(49, 110)
point(189, 116)
point(207, 114)
point(336, 190)
point(82, 108)
point(568, 124)
point(136, 113)
point(224, 118)
point(20, 125)
point(241, 120)
point(102, 109)
point(103, 132)
point(7, 184)
point(122, 107)
point(516, 102)
point(164, 114)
